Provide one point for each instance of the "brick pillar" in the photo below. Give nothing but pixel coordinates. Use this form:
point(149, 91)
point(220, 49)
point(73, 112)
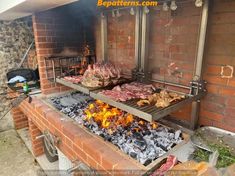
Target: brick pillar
point(20, 120)
point(37, 144)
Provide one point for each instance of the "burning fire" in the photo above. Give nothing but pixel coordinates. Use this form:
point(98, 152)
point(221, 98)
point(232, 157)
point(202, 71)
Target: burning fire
point(110, 118)
point(106, 116)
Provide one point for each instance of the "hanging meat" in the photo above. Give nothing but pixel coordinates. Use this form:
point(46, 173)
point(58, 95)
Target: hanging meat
point(101, 75)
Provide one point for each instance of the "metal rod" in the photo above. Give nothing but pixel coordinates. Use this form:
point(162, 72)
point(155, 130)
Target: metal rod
point(137, 37)
point(53, 67)
point(25, 55)
point(199, 61)
point(170, 84)
point(74, 168)
point(201, 41)
point(40, 136)
point(144, 40)
point(104, 34)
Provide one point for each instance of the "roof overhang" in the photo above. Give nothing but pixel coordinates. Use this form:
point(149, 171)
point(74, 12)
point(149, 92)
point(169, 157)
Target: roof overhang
point(13, 9)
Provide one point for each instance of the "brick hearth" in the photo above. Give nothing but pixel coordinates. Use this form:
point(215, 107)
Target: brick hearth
point(75, 141)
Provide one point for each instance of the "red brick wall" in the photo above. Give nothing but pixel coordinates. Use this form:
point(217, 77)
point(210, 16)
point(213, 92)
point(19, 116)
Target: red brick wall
point(218, 107)
point(37, 144)
point(75, 141)
point(19, 119)
point(173, 45)
point(54, 30)
point(173, 41)
point(121, 41)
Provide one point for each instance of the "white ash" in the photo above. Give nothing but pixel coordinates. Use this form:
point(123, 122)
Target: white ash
point(72, 104)
point(146, 145)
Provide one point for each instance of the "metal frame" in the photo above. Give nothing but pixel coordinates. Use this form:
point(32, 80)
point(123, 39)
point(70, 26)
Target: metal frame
point(196, 85)
point(149, 113)
point(137, 37)
point(104, 34)
point(144, 42)
point(196, 90)
point(138, 27)
point(199, 62)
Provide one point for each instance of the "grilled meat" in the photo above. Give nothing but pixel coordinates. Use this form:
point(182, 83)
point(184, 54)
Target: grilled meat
point(143, 102)
point(129, 91)
point(161, 100)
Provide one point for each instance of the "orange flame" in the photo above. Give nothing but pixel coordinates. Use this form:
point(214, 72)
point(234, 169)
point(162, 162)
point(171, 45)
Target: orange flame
point(106, 116)
point(154, 125)
point(109, 117)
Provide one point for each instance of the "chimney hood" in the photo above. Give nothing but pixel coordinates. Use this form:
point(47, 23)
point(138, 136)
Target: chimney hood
point(14, 9)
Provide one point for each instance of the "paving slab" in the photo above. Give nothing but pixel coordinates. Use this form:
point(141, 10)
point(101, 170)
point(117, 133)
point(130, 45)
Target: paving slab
point(15, 158)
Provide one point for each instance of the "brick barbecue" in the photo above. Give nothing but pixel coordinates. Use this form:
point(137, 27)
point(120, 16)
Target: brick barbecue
point(52, 35)
point(213, 112)
point(76, 143)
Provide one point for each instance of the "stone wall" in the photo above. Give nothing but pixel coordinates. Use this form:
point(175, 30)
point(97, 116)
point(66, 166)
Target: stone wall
point(15, 38)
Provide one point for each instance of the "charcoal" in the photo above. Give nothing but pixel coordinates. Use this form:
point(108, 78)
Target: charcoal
point(137, 136)
point(171, 130)
point(133, 155)
point(107, 138)
point(147, 162)
point(146, 132)
point(144, 160)
point(141, 144)
point(67, 101)
point(125, 147)
point(136, 149)
point(138, 140)
point(102, 135)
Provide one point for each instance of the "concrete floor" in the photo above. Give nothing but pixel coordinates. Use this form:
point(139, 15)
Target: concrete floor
point(15, 158)
point(6, 123)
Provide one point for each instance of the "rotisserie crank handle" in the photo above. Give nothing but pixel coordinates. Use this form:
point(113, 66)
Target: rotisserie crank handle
point(40, 136)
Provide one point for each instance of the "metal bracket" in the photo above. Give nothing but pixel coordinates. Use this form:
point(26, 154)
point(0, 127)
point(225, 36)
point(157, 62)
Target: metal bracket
point(80, 167)
point(141, 76)
point(197, 88)
point(40, 136)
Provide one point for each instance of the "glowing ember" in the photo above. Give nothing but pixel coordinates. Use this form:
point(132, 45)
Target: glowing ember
point(154, 125)
point(106, 116)
point(136, 137)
